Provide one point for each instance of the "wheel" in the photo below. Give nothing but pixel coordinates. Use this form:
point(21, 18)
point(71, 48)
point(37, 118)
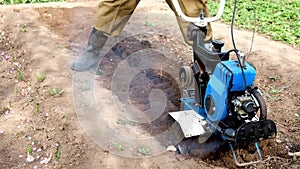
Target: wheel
point(262, 104)
point(186, 76)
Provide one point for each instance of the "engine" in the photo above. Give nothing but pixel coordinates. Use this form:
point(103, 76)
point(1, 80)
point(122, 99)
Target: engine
point(244, 107)
point(226, 94)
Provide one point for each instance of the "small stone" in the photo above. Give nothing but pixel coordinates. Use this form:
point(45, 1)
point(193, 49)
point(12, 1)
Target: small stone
point(171, 148)
point(45, 160)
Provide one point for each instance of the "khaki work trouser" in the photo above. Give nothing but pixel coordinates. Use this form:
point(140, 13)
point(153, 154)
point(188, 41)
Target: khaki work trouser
point(112, 15)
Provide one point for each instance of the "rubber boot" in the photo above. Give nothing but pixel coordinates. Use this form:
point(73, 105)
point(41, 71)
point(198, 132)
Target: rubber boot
point(90, 56)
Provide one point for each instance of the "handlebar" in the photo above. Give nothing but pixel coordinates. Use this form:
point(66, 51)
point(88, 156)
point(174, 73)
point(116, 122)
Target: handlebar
point(202, 22)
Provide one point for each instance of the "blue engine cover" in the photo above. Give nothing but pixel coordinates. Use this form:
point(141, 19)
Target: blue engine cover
point(227, 77)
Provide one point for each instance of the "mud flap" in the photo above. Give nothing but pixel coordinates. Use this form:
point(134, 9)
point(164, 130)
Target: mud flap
point(191, 123)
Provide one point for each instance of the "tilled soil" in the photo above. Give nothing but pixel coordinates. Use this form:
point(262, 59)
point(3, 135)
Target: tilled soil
point(44, 40)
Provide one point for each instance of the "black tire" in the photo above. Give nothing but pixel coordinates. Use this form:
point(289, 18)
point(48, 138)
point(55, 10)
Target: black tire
point(262, 104)
point(186, 76)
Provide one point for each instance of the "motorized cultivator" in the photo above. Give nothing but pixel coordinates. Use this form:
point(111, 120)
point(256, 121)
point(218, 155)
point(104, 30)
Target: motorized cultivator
point(223, 98)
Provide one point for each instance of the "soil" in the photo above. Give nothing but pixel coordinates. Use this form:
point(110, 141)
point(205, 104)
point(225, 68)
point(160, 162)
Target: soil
point(43, 39)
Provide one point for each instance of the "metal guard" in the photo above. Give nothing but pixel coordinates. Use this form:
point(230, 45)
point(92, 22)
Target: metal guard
point(254, 131)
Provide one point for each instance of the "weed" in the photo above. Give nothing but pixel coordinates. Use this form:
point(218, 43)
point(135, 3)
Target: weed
point(81, 81)
point(277, 91)
point(58, 152)
point(20, 76)
point(61, 46)
point(84, 89)
point(84, 104)
point(125, 121)
point(28, 149)
point(271, 98)
point(29, 157)
point(143, 151)
point(148, 24)
point(274, 90)
point(9, 105)
point(18, 134)
point(99, 72)
point(37, 106)
point(23, 30)
point(41, 77)
point(36, 103)
point(118, 146)
point(55, 91)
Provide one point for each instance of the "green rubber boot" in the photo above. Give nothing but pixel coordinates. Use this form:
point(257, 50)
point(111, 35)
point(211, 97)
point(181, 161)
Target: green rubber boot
point(90, 56)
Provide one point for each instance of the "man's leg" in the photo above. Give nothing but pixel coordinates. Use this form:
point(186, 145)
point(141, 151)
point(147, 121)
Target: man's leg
point(191, 8)
point(111, 17)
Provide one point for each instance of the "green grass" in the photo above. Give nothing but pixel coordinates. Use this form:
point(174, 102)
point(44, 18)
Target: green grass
point(6, 2)
point(278, 19)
